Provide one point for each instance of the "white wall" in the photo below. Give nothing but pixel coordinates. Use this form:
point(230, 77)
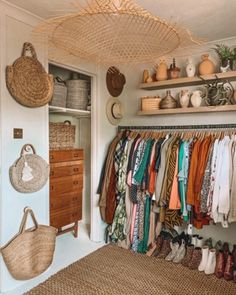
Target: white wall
point(131, 98)
point(16, 27)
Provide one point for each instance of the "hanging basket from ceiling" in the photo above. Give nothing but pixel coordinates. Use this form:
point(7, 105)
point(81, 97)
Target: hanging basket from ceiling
point(114, 32)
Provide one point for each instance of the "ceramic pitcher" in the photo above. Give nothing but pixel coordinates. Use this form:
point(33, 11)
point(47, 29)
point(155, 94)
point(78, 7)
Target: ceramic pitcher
point(196, 98)
point(184, 97)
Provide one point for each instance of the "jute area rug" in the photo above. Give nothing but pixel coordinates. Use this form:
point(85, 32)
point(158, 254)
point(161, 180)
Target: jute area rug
point(112, 270)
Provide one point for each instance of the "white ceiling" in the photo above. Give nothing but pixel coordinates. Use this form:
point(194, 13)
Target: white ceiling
point(210, 19)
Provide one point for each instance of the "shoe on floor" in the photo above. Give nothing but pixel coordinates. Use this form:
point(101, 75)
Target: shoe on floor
point(165, 249)
point(180, 253)
point(196, 258)
point(188, 256)
point(174, 249)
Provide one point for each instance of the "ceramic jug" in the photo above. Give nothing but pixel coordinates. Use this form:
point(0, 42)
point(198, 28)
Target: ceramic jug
point(196, 98)
point(206, 67)
point(184, 97)
point(190, 68)
point(161, 72)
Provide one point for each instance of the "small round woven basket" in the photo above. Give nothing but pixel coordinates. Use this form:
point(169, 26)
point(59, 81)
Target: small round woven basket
point(27, 80)
point(39, 170)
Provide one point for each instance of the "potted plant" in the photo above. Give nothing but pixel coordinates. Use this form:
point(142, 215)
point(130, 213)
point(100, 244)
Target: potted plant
point(234, 59)
point(225, 54)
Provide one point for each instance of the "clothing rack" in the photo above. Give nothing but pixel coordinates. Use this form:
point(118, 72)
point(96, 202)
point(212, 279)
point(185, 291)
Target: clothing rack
point(179, 127)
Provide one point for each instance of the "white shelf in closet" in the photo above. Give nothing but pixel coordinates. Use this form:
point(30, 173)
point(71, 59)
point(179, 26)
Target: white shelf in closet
point(71, 112)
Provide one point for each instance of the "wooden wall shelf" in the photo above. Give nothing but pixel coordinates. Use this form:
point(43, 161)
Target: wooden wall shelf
point(180, 82)
point(190, 110)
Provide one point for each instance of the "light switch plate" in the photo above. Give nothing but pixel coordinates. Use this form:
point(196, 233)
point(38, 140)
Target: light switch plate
point(18, 133)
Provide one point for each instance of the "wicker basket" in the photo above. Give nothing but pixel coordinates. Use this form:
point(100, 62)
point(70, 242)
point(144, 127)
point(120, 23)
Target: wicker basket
point(150, 103)
point(61, 135)
point(59, 94)
point(77, 94)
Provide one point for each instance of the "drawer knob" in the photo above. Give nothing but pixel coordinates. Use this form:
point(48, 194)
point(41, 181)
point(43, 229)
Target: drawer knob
point(76, 155)
point(52, 187)
point(51, 157)
point(76, 169)
point(75, 182)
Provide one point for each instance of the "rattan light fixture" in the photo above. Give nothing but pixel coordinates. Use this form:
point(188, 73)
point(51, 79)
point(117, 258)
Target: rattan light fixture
point(115, 32)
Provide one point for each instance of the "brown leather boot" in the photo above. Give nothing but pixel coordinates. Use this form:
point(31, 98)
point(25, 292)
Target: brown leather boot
point(234, 256)
point(196, 258)
point(229, 268)
point(220, 264)
point(159, 243)
point(165, 249)
point(226, 250)
point(188, 256)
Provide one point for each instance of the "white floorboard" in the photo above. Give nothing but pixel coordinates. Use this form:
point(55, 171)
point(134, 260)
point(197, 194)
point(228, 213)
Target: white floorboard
point(68, 250)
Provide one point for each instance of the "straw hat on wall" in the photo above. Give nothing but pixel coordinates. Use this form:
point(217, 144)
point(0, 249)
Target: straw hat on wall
point(114, 111)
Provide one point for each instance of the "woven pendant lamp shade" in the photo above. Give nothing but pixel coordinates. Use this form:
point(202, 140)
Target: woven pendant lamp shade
point(114, 32)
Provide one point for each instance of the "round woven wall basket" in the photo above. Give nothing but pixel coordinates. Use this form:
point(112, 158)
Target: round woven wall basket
point(27, 81)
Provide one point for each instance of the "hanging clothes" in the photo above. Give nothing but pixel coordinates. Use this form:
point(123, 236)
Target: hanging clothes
point(149, 183)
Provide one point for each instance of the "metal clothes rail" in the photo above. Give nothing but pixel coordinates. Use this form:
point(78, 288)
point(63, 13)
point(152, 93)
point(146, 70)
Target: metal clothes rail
point(179, 127)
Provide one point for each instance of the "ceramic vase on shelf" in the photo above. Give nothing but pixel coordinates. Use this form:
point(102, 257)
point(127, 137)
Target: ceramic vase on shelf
point(196, 98)
point(184, 97)
point(161, 72)
point(145, 75)
point(168, 102)
point(206, 67)
point(174, 71)
point(190, 68)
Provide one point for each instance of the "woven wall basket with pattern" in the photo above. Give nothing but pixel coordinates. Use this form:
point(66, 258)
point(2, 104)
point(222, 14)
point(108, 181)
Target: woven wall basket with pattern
point(30, 172)
point(30, 252)
point(27, 80)
point(61, 135)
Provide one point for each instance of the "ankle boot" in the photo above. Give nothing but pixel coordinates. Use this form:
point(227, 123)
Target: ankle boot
point(199, 242)
point(220, 264)
point(159, 243)
point(203, 263)
point(174, 249)
point(165, 249)
point(211, 262)
point(208, 243)
point(194, 240)
point(180, 253)
point(196, 258)
point(229, 268)
point(188, 256)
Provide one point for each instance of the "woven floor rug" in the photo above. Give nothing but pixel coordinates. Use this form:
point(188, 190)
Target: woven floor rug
point(112, 270)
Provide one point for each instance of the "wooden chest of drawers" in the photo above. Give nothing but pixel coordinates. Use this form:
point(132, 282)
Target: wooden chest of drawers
point(66, 189)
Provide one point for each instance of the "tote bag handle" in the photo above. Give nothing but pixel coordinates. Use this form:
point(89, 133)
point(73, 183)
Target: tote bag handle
point(27, 211)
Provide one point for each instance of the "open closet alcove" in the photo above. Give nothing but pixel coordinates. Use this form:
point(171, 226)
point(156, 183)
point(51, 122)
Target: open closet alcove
point(81, 119)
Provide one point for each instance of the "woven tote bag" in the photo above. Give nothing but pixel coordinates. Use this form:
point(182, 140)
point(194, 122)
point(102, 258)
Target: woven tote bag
point(27, 80)
point(30, 252)
point(30, 172)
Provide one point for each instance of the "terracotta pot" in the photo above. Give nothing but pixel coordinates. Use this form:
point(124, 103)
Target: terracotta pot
point(206, 67)
point(161, 73)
